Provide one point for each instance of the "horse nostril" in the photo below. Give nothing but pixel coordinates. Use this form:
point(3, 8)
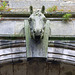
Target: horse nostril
point(41, 31)
point(34, 31)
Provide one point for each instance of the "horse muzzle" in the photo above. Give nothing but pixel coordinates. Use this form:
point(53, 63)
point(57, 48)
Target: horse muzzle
point(37, 32)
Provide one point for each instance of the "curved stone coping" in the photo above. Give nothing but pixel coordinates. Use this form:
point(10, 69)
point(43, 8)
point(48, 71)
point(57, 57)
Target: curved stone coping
point(22, 43)
point(57, 51)
point(11, 55)
point(61, 55)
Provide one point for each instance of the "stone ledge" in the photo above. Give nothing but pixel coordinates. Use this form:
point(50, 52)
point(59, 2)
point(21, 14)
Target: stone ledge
point(27, 14)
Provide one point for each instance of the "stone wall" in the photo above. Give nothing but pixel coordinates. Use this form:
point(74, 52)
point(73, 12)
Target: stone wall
point(37, 4)
point(37, 68)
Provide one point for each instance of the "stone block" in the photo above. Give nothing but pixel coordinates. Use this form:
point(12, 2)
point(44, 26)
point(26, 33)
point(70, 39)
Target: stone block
point(62, 28)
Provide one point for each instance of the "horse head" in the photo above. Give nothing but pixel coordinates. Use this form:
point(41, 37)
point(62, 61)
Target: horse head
point(37, 22)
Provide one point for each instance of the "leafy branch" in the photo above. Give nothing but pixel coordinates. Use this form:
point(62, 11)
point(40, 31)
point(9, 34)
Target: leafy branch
point(67, 17)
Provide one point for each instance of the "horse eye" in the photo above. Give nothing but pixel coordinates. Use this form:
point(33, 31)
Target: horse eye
point(44, 19)
point(30, 19)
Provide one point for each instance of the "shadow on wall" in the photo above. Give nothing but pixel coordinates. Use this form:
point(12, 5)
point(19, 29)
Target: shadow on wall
point(68, 73)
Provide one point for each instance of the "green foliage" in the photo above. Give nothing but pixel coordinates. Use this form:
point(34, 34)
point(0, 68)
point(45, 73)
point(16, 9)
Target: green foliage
point(54, 8)
point(0, 16)
point(69, 10)
point(4, 4)
point(8, 9)
point(3, 7)
point(66, 17)
point(51, 9)
point(61, 10)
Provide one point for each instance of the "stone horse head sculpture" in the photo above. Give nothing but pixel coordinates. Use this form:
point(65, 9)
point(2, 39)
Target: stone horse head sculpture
point(37, 22)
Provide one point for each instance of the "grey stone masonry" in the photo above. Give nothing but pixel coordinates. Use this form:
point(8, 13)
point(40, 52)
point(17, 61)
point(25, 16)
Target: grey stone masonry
point(57, 27)
point(21, 5)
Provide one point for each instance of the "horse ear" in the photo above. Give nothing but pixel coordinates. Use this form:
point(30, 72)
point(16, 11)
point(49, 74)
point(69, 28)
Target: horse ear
point(43, 9)
point(31, 9)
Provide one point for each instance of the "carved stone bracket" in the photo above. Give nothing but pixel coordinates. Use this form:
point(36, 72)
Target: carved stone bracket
point(36, 47)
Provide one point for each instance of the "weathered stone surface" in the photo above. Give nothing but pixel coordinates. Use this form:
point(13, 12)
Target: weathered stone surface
point(5, 28)
point(36, 67)
point(66, 69)
point(54, 53)
point(62, 55)
point(11, 27)
point(54, 69)
point(68, 3)
point(20, 69)
point(57, 27)
point(19, 27)
point(69, 0)
point(26, 4)
point(61, 51)
point(32, 68)
point(18, 4)
point(6, 70)
point(62, 28)
point(9, 54)
point(37, 4)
